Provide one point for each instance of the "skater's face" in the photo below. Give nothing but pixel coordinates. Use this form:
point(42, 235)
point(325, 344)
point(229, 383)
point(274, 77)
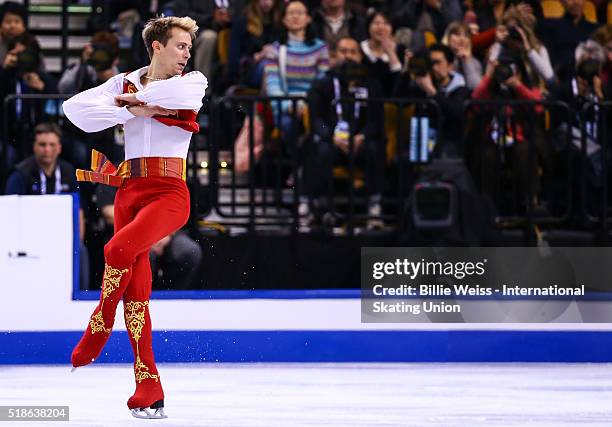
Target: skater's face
point(47, 148)
point(174, 55)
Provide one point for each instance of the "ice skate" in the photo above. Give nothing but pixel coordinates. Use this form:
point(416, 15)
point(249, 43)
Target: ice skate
point(146, 413)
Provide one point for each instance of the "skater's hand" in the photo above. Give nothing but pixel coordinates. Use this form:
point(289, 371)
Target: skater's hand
point(108, 213)
point(147, 110)
point(127, 99)
point(158, 248)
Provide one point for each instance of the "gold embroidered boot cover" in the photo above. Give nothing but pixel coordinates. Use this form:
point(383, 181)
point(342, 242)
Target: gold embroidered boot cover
point(148, 384)
point(101, 322)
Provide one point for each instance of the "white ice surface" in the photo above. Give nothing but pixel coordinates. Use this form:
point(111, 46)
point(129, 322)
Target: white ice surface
point(287, 395)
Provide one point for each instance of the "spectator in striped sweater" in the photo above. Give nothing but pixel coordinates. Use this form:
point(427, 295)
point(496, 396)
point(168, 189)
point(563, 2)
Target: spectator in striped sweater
point(298, 59)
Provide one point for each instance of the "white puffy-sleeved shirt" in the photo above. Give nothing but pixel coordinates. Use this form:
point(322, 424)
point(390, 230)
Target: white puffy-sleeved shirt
point(94, 110)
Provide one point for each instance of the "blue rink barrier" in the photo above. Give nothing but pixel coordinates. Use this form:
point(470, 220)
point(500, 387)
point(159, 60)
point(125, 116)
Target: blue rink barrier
point(323, 346)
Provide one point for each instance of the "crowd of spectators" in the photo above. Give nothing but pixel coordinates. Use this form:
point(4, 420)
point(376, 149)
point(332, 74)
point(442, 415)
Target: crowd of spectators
point(443, 52)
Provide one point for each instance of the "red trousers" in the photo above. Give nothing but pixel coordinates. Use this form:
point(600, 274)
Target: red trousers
point(146, 210)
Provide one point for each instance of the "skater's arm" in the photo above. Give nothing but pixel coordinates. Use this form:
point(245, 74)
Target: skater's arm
point(94, 110)
point(180, 93)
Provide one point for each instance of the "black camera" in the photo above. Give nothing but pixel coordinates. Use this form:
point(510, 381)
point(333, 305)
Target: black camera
point(587, 70)
point(513, 34)
point(102, 57)
point(506, 65)
point(420, 64)
point(503, 72)
point(28, 61)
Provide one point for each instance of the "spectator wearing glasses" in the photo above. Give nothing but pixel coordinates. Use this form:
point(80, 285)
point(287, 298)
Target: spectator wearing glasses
point(516, 39)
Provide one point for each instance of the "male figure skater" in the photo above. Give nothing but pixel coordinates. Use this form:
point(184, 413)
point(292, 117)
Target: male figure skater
point(157, 107)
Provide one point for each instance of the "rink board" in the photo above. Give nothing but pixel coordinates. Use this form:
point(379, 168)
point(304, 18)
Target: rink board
point(40, 321)
point(323, 346)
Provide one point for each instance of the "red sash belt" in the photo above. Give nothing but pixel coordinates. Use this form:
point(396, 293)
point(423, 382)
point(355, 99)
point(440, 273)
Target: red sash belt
point(104, 172)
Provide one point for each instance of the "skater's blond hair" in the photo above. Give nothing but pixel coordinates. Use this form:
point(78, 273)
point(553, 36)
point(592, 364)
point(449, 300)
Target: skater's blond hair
point(160, 29)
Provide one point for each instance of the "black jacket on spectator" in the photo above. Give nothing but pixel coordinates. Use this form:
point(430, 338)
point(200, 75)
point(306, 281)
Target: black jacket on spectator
point(450, 100)
point(322, 153)
point(565, 92)
point(354, 26)
point(243, 45)
point(381, 70)
point(25, 179)
point(21, 120)
point(323, 108)
point(561, 36)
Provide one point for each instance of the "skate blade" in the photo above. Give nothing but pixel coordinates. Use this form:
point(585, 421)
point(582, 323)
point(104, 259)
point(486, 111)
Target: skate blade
point(145, 413)
point(73, 369)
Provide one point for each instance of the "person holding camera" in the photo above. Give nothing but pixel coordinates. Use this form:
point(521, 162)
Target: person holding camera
point(583, 92)
point(505, 132)
point(99, 60)
point(22, 73)
point(23, 62)
point(515, 38)
point(431, 75)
